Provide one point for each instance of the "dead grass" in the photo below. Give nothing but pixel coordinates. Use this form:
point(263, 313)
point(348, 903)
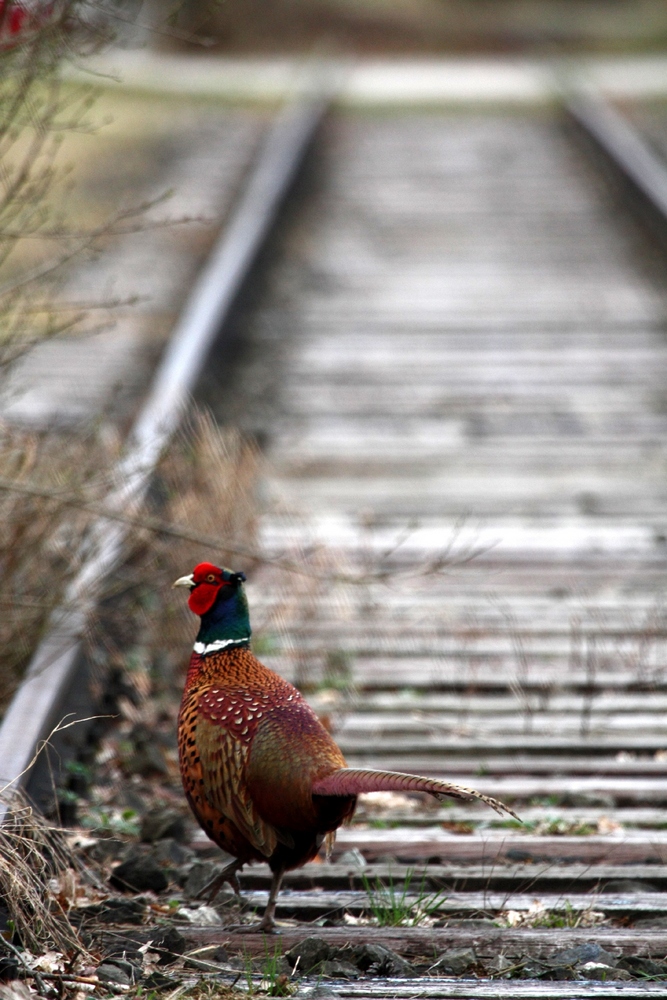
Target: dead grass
point(54, 489)
point(43, 535)
point(34, 861)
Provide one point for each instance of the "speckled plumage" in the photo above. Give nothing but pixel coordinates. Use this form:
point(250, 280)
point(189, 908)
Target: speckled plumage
point(250, 749)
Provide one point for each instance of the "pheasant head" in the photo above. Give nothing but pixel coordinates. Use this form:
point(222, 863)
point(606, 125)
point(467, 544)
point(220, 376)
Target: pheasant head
point(218, 597)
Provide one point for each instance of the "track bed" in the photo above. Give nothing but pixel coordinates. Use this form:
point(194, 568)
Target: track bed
point(473, 333)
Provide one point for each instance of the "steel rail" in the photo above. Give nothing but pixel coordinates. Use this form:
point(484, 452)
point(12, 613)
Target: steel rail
point(641, 166)
point(38, 703)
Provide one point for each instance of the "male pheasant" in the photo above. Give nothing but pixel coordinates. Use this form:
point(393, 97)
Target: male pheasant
point(262, 775)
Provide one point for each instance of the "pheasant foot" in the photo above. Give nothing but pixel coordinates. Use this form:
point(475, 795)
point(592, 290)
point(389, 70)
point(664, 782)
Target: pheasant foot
point(258, 928)
point(267, 924)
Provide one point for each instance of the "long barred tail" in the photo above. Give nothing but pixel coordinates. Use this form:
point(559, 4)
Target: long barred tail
point(354, 781)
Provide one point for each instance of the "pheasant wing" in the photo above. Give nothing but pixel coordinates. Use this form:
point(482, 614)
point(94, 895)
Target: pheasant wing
point(224, 761)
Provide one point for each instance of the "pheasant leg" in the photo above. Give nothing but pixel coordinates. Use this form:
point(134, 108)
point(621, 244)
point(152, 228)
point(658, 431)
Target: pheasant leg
point(228, 874)
point(268, 922)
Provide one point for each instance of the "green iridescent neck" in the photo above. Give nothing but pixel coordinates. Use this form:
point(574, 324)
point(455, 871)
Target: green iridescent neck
point(228, 619)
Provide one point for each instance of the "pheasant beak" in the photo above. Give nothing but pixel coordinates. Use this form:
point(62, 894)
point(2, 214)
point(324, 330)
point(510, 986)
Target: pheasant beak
point(184, 581)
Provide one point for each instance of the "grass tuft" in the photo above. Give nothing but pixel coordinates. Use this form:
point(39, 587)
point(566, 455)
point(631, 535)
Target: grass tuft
point(35, 865)
point(398, 906)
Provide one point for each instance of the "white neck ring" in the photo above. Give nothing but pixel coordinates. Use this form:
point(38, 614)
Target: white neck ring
point(213, 647)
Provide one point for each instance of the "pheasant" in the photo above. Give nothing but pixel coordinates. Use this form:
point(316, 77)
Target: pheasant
point(263, 777)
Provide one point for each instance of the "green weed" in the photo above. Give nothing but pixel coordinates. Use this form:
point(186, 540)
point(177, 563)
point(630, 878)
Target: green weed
point(570, 918)
point(566, 919)
point(208, 989)
point(514, 824)
point(273, 982)
point(125, 822)
point(395, 906)
point(79, 770)
point(549, 826)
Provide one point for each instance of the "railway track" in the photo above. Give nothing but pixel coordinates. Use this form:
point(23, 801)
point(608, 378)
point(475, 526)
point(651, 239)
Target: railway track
point(472, 363)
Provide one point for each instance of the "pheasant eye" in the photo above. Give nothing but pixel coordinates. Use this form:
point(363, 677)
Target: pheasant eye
point(210, 578)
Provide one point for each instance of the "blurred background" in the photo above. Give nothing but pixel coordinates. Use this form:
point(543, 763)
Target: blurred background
point(409, 27)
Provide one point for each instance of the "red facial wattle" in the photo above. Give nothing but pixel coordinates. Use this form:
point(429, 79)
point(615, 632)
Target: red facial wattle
point(203, 596)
